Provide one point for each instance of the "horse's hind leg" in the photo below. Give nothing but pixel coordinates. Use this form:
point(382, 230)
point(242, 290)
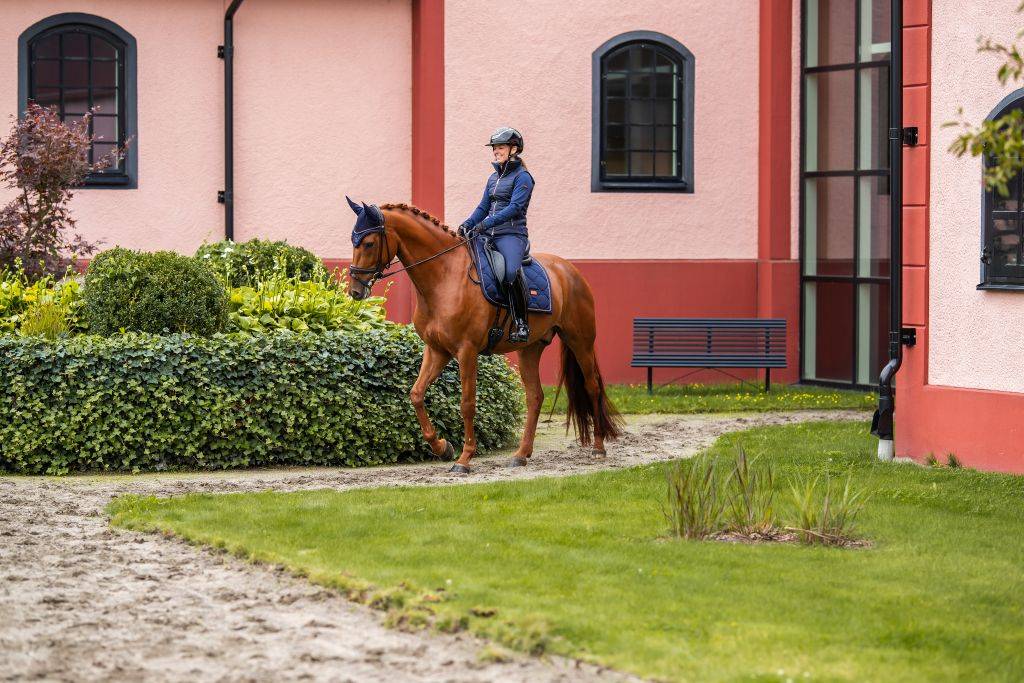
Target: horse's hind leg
point(529, 370)
point(433, 363)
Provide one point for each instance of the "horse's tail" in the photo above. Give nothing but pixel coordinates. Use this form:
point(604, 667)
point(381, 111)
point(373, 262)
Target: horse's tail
point(580, 405)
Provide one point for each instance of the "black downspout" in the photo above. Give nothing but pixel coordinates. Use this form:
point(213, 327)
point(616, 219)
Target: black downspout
point(882, 422)
point(226, 52)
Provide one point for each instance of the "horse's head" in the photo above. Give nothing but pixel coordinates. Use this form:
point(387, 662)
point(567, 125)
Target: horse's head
point(372, 249)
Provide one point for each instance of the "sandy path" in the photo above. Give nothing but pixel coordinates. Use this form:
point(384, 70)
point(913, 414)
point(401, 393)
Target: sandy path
point(80, 601)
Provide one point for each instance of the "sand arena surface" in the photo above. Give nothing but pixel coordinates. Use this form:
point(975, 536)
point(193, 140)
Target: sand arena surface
point(80, 601)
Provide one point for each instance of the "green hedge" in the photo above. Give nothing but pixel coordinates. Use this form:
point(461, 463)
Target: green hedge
point(244, 263)
point(138, 402)
point(153, 292)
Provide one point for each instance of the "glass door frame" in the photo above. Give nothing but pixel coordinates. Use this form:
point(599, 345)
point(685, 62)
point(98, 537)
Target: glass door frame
point(895, 87)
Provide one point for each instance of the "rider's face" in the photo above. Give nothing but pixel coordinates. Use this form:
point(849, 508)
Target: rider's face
point(501, 153)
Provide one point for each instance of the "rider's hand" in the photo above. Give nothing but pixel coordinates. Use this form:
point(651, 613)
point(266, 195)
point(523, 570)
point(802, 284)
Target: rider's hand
point(465, 231)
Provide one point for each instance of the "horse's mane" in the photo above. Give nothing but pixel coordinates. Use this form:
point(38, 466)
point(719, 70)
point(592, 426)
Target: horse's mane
point(415, 210)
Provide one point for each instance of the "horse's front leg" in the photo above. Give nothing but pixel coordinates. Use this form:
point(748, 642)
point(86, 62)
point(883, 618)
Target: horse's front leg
point(467, 357)
point(433, 363)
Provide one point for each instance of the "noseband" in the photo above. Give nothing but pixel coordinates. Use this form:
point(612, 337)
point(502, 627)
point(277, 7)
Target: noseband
point(377, 272)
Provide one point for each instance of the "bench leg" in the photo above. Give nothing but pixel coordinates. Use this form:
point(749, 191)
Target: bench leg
point(767, 380)
point(650, 381)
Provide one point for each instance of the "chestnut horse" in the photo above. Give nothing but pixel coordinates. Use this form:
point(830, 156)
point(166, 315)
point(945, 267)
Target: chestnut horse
point(453, 318)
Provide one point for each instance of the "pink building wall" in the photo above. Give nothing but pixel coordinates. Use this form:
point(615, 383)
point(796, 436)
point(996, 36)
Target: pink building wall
point(976, 337)
point(528, 64)
point(322, 108)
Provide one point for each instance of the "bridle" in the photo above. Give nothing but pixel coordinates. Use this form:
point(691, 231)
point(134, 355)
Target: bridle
point(378, 271)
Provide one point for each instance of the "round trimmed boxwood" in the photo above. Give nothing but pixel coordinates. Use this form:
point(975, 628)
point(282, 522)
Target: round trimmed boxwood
point(156, 292)
point(244, 263)
point(139, 402)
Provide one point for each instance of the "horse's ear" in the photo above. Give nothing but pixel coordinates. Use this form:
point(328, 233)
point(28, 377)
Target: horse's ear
point(372, 211)
point(356, 209)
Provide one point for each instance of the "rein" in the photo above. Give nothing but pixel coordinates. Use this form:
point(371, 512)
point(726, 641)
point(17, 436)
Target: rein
point(377, 272)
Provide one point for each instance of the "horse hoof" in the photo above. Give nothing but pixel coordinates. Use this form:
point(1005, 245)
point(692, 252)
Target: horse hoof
point(459, 469)
point(598, 453)
point(449, 451)
point(518, 462)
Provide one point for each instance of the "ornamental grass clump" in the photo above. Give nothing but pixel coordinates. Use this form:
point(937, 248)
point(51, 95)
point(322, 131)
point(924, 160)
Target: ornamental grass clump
point(696, 498)
point(751, 491)
point(45, 320)
point(160, 292)
point(826, 512)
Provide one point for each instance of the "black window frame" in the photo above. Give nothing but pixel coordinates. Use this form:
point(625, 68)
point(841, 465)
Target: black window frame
point(990, 277)
point(684, 179)
point(127, 94)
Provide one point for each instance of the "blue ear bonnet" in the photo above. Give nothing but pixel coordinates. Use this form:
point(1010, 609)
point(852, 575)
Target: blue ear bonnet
point(369, 220)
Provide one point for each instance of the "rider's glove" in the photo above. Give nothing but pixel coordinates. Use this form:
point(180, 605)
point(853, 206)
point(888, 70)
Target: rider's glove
point(465, 231)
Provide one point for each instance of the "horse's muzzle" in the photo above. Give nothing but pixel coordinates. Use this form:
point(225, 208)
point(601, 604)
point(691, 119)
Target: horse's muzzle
point(357, 293)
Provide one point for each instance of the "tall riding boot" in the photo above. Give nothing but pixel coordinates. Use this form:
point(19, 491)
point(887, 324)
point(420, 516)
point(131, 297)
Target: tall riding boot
point(520, 331)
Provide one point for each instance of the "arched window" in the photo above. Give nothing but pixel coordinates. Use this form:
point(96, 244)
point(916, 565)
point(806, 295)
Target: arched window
point(1002, 246)
point(642, 114)
point(74, 62)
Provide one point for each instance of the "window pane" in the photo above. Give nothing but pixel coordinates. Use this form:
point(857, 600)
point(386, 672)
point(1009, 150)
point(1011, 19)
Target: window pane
point(831, 25)
point(76, 45)
point(875, 30)
point(640, 84)
point(615, 163)
point(641, 58)
point(663, 138)
point(641, 163)
point(872, 331)
point(618, 60)
point(104, 74)
point(664, 165)
point(1006, 253)
point(47, 47)
point(76, 101)
point(828, 331)
point(46, 72)
point(828, 121)
point(100, 151)
point(641, 137)
point(665, 111)
point(665, 85)
point(828, 226)
point(615, 85)
point(616, 111)
point(105, 128)
point(101, 49)
point(874, 118)
point(47, 97)
point(615, 137)
point(75, 74)
point(74, 119)
point(1011, 202)
point(105, 101)
point(873, 231)
point(664, 64)
point(640, 111)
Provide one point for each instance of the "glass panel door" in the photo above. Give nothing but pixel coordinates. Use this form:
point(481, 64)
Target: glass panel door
point(844, 189)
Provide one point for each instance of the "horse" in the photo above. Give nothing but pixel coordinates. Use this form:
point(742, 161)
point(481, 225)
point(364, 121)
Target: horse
point(453, 318)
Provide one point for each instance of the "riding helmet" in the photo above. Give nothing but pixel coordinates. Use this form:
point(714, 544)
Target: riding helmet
point(507, 136)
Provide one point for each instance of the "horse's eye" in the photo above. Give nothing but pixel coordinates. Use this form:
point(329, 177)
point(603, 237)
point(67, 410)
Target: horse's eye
point(368, 245)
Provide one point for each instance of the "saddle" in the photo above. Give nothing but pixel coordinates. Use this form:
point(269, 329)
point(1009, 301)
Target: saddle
point(489, 262)
point(498, 261)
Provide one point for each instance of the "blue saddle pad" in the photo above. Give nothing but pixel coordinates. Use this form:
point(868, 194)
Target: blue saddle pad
point(538, 287)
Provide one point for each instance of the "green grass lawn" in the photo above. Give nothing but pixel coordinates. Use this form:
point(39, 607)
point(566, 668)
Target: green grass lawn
point(724, 398)
point(581, 566)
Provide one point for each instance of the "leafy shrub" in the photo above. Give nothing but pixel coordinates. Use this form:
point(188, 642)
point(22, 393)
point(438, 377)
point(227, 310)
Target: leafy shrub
point(19, 297)
point(288, 303)
point(245, 263)
point(42, 160)
point(751, 490)
point(153, 292)
point(826, 513)
point(696, 498)
point(138, 402)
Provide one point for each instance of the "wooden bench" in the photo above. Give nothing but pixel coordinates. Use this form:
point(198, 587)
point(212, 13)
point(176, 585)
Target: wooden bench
point(709, 343)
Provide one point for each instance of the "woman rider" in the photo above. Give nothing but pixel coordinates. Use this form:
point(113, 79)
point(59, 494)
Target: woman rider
point(501, 216)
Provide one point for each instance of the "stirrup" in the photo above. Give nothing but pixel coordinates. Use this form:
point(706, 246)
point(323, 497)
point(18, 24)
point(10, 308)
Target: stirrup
point(519, 332)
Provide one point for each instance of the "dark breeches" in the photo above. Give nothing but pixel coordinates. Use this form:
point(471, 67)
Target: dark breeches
point(512, 247)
